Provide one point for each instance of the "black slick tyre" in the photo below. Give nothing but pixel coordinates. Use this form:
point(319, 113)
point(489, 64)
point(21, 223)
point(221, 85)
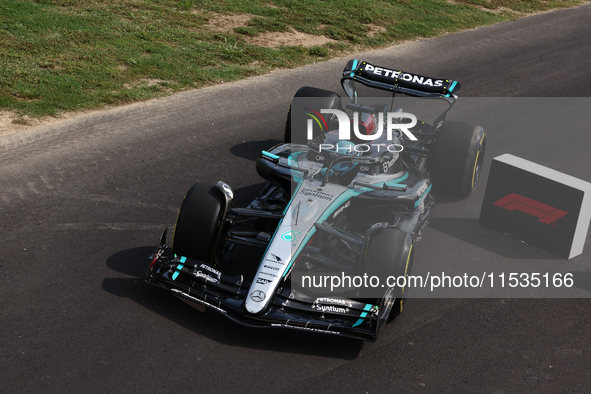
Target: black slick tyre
point(457, 158)
point(198, 223)
point(296, 123)
point(390, 254)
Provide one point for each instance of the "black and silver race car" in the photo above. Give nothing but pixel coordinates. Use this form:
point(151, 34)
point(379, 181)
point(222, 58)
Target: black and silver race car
point(348, 195)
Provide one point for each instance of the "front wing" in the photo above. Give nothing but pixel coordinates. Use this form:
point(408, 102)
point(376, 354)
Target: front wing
point(202, 284)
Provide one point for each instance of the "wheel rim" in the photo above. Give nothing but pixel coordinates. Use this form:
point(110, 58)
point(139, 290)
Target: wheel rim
point(476, 175)
point(477, 168)
point(388, 303)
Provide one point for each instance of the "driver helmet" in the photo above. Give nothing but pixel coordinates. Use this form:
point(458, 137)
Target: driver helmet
point(366, 124)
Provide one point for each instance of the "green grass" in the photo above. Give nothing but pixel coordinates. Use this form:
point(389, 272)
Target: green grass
point(66, 55)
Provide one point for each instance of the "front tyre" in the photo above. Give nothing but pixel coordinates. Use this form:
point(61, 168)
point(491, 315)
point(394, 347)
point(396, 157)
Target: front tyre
point(198, 222)
point(457, 158)
point(390, 254)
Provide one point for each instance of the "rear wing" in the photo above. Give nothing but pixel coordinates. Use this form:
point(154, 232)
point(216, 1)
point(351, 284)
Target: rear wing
point(398, 81)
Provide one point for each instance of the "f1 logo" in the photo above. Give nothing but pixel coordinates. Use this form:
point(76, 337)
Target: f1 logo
point(516, 202)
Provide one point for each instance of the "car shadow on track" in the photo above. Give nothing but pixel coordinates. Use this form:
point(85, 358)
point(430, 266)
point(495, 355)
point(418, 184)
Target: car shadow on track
point(582, 280)
point(251, 150)
point(442, 197)
point(134, 262)
point(469, 231)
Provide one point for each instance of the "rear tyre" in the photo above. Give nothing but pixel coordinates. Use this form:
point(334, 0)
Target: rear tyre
point(457, 158)
point(390, 253)
point(198, 223)
point(296, 123)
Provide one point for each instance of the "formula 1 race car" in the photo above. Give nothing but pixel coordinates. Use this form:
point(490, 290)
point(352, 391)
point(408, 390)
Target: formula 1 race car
point(348, 196)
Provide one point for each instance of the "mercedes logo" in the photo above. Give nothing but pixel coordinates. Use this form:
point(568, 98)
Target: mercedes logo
point(257, 296)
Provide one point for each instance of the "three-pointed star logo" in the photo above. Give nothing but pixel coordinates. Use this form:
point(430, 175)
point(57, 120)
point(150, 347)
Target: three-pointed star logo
point(257, 296)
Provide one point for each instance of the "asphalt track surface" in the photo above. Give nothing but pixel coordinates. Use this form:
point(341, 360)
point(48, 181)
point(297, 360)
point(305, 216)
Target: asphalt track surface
point(82, 203)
